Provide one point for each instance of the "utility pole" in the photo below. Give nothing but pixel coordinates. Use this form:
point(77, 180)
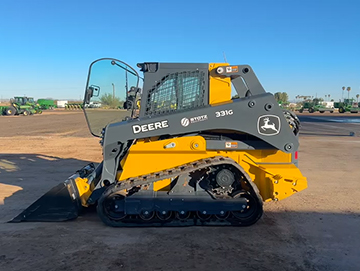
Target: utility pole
point(113, 91)
point(224, 57)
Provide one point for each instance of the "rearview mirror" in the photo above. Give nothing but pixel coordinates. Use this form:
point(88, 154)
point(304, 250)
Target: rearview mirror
point(92, 91)
point(95, 90)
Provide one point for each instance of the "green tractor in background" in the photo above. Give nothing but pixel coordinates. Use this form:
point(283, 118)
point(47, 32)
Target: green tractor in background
point(348, 105)
point(30, 101)
point(21, 106)
point(314, 106)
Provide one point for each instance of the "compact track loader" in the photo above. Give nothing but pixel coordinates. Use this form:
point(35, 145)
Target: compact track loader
point(183, 152)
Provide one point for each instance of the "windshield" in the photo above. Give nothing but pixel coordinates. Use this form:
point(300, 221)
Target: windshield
point(111, 93)
point(18, 99)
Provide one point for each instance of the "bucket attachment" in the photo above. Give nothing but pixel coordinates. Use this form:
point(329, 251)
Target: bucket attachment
point(61, 203)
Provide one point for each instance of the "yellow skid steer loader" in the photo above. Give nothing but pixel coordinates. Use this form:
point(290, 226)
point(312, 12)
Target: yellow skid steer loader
point(179, 151)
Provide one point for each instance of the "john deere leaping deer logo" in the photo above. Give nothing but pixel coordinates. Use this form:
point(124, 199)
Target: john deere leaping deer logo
point(268, 125)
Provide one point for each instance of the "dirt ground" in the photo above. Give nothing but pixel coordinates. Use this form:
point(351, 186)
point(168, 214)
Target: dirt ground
point(317, 229)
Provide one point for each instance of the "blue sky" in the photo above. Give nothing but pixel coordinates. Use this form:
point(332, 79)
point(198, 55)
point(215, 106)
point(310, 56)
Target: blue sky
point(307, 47)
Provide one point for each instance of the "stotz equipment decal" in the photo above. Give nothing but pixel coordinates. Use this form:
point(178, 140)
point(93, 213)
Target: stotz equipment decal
point(185, 121)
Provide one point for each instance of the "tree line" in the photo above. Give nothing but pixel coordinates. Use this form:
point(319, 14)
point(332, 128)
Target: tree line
point(281, 97)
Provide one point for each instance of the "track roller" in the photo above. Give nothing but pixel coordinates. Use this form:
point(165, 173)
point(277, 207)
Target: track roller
point(203, 215)
point(182, 215)
point(147, 215)
point(164, 215)
point(223, 215)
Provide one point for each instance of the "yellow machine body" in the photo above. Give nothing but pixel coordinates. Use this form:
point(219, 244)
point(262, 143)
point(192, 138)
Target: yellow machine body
point(272, 171)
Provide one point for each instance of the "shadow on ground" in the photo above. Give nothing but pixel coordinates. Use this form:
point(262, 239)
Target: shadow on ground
point(338, 119)
point(330, 126)
point(26, 177)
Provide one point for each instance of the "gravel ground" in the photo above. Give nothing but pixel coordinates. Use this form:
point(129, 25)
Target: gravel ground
point(317, 229)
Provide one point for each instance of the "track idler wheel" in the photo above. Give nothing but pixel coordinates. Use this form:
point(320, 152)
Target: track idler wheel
point(110, 208)
point(251, 212)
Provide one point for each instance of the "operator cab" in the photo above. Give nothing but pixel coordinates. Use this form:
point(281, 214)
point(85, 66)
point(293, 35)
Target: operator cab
point(23, 100)
point(20, 100)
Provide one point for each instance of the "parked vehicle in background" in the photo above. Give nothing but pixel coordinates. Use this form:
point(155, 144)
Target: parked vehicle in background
point(315, 105)
point(93, 105)
point(21, 106)
point(46, 104)
point(61, 103)
point(30, 101)
point(348, 105)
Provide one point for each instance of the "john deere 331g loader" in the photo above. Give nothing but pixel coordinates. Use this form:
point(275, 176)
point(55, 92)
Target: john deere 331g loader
point(183, 153)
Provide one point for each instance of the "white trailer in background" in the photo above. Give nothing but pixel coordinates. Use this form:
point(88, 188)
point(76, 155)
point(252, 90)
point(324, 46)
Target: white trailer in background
point(61, 104)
